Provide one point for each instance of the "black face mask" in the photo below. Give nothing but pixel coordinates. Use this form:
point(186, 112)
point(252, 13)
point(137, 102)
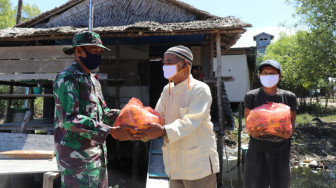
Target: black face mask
point(92, 61)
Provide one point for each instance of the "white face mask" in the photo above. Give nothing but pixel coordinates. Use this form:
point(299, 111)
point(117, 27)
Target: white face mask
point(269, 80)
point(169, 71)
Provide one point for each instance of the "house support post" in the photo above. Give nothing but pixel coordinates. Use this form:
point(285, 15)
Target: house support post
point(220, 133)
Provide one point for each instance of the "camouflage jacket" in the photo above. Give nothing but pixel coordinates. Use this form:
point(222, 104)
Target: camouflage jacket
point(82, 120)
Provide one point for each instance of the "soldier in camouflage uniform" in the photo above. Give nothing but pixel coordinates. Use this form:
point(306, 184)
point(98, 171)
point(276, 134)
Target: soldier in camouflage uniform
point(82, 119)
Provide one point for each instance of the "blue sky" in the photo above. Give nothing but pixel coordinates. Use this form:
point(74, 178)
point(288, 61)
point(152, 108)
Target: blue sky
point(264, 15)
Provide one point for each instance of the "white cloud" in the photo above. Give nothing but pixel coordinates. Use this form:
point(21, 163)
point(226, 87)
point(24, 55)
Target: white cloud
point(246, 40)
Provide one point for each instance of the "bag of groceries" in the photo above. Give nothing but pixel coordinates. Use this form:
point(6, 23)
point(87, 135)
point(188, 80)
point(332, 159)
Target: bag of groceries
point(137, 115)
point(271, 115)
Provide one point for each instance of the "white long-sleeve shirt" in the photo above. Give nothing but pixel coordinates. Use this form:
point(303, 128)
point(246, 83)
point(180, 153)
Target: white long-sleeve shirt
point(189, 149)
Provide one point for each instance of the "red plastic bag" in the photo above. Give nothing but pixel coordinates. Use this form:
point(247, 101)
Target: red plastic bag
point(137, 115)
point(271, 115)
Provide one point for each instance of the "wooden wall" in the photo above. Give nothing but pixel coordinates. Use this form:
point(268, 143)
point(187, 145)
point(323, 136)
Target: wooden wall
point(32, 59)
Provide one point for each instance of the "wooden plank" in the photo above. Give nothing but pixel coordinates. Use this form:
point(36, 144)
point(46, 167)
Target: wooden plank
point(24, 96)
point(29, 128)
point(235, 51)
point(127, 52)
point(28, 52)
point(48, 179)
point(16, 141)
point(25, 121)
point(28, 65)
point(27, 166)
point(27, 154)
point(49, 76)
point(26, 84)
point(35, 124)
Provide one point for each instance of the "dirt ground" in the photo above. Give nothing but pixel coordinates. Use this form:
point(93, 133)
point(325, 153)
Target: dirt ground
point(314, 141)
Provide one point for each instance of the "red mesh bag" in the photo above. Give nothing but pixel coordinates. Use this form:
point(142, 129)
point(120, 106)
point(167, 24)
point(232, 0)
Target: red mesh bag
point(272, 115)
point(137, 115)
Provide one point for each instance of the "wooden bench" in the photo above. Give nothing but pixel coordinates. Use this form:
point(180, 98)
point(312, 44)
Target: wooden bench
point(30, 125)
point(14, 141)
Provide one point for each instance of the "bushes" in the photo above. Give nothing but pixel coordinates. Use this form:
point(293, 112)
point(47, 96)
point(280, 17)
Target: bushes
point(315, 109)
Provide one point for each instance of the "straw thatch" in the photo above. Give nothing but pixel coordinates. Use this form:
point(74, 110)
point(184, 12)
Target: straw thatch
point(116, 13)
point(226, 25)
point(126, 18)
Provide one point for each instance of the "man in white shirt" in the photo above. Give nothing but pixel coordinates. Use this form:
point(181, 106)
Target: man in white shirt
point(189, 150)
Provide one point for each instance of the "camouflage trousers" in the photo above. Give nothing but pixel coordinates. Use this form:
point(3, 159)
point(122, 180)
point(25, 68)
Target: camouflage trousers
point(93, 178)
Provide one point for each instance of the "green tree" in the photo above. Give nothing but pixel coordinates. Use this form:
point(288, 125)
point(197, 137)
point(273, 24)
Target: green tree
point(295, 53)
point(8, 13)
point(318, 15)
point(28, 12)
point(306, 61)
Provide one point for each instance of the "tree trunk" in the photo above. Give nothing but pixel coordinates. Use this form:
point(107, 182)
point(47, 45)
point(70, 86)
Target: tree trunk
point(18, 15)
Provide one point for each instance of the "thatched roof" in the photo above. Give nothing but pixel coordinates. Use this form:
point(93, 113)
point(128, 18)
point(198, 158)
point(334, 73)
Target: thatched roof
point(226, 25)
point(116, 13)
point(126, 18)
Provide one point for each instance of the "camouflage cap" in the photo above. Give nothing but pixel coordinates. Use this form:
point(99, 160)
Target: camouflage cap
point(85, 38)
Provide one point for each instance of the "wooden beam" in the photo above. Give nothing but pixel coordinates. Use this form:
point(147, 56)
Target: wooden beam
point(13, 141)
point(47, 76)
point(219, 80)
point(25, 121)
point(234, 51)
point(33, 52)
point(23, 96)
point(211, 55)
point(117, 71)
point(220, 133)
point(48, 179)
point(34, 66)
point(25, 84)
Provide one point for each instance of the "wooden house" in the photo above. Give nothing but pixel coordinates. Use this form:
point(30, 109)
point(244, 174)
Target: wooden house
point(263, 40)
point(138, 32)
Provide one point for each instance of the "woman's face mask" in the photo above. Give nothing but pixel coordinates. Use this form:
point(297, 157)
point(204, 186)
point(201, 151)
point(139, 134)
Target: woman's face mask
point(269, 80)
point(169, 71)
point(91, 61)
